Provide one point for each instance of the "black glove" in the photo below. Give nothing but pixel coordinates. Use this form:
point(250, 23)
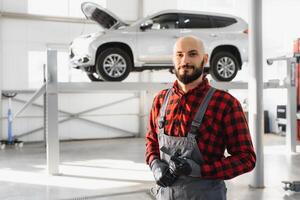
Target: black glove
point(180, 166)
point(184, 166)
point(162, 174)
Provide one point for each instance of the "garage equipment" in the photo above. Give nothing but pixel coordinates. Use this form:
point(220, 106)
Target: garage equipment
point(11, 141)
point(291, 185)
point(293, 90)
point(291, 107)
point(281, 119)
point(297, 55)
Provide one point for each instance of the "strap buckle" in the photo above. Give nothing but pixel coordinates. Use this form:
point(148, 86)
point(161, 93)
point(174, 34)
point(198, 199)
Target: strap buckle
point(196, 123)
point(194, 127)
point(161, 122)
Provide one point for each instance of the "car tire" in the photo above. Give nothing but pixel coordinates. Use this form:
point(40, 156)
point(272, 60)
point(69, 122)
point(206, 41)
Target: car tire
point(94, 77)
point(224, 66)
point(107, 68)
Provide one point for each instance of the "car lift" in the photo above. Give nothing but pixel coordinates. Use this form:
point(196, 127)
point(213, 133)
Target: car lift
point(293, 70)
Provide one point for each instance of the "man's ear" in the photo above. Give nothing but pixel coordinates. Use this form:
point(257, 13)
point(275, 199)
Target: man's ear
point(205, 58)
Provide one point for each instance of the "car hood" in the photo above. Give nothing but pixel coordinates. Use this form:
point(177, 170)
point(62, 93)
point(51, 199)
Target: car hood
point(103, 17)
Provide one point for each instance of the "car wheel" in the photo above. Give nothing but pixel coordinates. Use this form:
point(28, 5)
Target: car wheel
point(94, 77)
point(224, 66)
point(113, 64)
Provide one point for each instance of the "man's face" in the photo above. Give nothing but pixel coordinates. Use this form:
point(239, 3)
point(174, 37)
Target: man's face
point(188, 60)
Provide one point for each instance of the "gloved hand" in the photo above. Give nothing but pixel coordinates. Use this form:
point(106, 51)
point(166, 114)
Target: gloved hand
point(161, 173)
point(184, 166)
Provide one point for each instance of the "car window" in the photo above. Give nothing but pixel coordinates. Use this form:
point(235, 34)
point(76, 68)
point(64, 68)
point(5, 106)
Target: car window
point(165, 21)
point(219, 22)
point(195, 21)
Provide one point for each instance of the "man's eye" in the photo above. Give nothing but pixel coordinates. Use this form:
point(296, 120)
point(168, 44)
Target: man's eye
point(193, 54)
point(179, 55)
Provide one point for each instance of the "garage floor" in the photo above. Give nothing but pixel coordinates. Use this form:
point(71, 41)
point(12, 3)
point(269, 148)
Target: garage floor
point(115, 170)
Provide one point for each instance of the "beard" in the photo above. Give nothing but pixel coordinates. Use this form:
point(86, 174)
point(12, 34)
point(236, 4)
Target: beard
point(185, 78)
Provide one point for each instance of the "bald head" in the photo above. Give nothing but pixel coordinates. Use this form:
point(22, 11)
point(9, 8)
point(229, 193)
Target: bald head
point(189, 59)
point(189, 41)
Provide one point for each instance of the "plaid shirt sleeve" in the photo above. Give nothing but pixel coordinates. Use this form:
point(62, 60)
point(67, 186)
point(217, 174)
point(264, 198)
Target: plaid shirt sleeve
point(152, 147)
point(238, 144)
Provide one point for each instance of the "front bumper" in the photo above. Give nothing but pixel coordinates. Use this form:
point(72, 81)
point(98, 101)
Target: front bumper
point(81, 52)
point(79, 61)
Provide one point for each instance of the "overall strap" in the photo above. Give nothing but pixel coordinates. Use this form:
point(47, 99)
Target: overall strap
point(201, 111)
point(162, 113)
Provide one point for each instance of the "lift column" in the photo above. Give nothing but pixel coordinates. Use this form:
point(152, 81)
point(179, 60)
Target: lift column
point(52, 114)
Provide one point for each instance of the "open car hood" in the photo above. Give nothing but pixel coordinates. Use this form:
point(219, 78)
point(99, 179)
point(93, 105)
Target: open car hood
point(102, 16)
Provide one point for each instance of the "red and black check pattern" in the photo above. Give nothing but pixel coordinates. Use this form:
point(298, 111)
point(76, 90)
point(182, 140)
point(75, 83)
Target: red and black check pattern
point(223, 127)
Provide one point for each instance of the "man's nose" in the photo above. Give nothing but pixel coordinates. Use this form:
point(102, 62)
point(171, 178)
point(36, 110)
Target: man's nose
point(185, 60)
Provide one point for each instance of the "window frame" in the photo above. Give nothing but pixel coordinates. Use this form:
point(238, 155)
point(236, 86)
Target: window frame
point(214, 22)
point(174, 14)
point(182, 25)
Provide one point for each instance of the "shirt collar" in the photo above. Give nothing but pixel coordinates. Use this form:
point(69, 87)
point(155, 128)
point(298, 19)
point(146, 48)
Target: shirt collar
point(200, 88)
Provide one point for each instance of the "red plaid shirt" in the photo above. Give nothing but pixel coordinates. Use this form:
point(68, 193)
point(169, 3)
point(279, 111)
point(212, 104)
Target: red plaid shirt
point(223, 127)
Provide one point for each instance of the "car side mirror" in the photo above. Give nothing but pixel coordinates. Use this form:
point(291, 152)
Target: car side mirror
point(147, 24)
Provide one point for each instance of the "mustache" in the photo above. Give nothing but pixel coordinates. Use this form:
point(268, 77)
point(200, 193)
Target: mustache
point(187, 66)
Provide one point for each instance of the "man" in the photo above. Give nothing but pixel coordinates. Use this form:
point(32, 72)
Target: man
point(190, 126)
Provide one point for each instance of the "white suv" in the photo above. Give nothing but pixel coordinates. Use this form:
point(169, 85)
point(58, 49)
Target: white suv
point(120, 48)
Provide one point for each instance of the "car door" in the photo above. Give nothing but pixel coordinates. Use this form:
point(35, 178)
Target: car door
point(199, 25)
point(155, 44)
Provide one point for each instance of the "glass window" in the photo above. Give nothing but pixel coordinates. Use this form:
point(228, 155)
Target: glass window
point(223, 21)
point(195, 21)
point(166, 21)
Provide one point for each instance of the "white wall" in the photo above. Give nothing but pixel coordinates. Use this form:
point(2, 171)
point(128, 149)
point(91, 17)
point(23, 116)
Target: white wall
point(235, 7)
point(126, 10)
point(23, 43)
point(152, 6)
point(66, 8)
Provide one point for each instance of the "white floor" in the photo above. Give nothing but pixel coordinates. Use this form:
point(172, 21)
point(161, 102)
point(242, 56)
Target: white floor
point(115, 170)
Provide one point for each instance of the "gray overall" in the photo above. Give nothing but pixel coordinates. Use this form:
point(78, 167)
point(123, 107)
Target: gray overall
point(187, 187)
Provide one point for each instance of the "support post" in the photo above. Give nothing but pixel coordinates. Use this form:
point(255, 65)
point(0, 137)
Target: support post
point(1, 114)
point(291, 117)
point(44, 106)
point(140, 9)
point(144, 102)
point(1, 102)
point(1, 80)
point(255, 91)
point(52, 114)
